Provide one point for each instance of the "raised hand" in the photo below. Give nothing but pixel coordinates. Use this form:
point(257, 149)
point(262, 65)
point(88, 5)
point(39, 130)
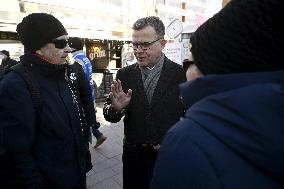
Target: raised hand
point(119, 99)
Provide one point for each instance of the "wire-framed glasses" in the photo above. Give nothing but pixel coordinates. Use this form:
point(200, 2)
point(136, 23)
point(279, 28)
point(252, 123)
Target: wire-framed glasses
point(145, 45)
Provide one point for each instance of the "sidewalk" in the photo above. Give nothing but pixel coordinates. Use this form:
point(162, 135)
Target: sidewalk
point(106, 159)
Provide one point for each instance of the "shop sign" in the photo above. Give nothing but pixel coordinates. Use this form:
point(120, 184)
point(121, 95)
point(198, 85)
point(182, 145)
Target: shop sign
point(96, 51)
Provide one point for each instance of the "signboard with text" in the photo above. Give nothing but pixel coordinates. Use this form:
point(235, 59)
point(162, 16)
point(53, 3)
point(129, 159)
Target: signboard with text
point(173, 51)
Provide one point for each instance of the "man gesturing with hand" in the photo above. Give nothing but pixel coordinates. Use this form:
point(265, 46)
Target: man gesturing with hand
point(147, 95)
point(118, 98)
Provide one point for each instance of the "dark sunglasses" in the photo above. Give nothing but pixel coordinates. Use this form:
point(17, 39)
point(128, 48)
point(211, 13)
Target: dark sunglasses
point(60, 43)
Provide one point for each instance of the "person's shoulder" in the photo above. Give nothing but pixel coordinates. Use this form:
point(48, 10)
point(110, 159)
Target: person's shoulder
point(79, 55)
point(172, 64)
point(127, 69)
point(12, 82)
point(127, 73)
point(76, 65)
point(10, 77)
point(175, 69)
point(13, 62)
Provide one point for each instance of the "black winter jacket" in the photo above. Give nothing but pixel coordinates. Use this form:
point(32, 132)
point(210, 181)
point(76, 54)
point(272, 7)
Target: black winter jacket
point(49, 155)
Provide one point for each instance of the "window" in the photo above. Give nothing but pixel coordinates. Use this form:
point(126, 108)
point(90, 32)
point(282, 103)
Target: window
point(161, 2)
point(115, 2)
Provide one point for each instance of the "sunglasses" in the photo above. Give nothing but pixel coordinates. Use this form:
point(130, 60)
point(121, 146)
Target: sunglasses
point(60, 43)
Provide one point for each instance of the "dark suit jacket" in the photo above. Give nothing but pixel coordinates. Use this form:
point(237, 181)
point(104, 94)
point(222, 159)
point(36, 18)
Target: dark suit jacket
point(144, 122)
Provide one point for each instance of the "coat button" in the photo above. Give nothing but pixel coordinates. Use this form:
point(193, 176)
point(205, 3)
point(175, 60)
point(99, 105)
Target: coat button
point(148, 116)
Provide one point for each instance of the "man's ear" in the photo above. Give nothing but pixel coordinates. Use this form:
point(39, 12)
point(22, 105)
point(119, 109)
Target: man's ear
point(163, 42)
point(39, 51)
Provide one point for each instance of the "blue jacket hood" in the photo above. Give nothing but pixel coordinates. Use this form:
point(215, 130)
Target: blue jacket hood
point(245, 112)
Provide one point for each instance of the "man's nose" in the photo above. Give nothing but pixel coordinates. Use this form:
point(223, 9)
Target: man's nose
point(139, 48)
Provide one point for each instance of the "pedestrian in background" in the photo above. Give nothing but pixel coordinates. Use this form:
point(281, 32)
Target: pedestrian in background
point(90, 107)
point(147, 95)
point(7, 61)
point(232, 135)
point(2, 58)
point(45, 150)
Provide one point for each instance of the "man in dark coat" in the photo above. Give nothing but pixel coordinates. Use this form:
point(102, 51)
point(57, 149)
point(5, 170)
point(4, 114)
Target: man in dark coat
point(50, 152)
point(232, 135)
point(147, 94)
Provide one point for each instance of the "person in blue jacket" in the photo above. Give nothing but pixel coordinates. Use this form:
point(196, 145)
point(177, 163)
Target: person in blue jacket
point(232, 135)
point(90, 108)
point(49, 153)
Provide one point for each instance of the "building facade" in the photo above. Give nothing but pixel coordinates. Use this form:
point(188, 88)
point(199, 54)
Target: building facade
point(104, 25)
point(101, 19)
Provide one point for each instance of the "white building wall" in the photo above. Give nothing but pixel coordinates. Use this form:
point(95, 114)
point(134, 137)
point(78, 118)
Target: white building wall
point(100, 18)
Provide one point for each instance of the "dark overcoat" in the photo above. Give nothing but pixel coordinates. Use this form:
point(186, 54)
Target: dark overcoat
point(146, 122)
point(48, 155)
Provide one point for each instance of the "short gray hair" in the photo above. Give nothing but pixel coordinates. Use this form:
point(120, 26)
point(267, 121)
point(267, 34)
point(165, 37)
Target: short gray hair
point(152, 21)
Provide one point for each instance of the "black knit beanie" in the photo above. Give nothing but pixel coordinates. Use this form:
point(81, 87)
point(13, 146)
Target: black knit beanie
point(245, 36)
point(76, 43)
point(38, 29)
point(7, 53)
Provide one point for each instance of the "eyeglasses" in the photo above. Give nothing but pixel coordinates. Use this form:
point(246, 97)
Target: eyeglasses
point(60, 43)
point(144, 46)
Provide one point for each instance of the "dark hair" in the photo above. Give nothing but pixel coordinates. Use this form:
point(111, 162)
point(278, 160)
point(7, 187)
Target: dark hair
point(186, 63)
point(76, 43)
point(7, 53)
point(152, 21)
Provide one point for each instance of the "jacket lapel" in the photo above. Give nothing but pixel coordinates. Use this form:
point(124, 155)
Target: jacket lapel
point(163, 82)
point(137, 78)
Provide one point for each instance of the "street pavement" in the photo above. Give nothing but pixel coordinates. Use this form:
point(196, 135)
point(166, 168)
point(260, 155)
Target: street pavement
point(106, 159)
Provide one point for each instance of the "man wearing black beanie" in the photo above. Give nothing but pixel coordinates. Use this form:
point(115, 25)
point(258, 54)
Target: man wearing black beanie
point(38, 29)
point(232, 134)
point(41, 147)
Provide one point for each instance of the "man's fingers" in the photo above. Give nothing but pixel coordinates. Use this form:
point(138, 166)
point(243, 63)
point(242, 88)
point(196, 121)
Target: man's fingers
point(116, 86)
point(112, 87)
point(129, 93)
point(119, 85)
point(113, 91)
point(114, 82)
point(111, 96)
